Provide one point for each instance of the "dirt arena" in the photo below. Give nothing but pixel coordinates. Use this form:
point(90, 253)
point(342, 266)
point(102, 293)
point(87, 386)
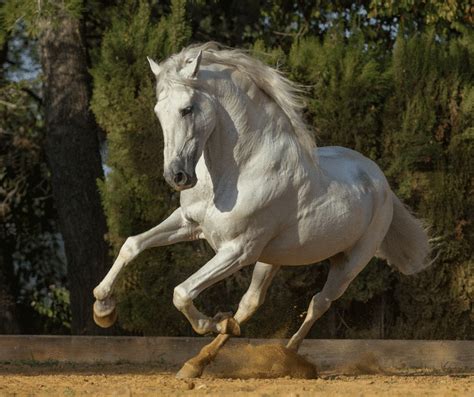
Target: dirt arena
point(247, 371)
point(133, 380)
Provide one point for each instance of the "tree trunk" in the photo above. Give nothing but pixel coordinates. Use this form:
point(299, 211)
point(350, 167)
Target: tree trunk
point(8, 313)
point(72, 149)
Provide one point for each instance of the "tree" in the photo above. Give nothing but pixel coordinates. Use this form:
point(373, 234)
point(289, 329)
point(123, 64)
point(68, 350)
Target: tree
point(33, 297)
point(405, 102)
point(8, 315)
point(72, 148)
point(32, 268)
point(429, 142)
point(447, 17)
point(71, 144)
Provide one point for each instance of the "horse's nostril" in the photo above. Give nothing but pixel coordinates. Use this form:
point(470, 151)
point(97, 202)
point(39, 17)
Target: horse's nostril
point(180, 178)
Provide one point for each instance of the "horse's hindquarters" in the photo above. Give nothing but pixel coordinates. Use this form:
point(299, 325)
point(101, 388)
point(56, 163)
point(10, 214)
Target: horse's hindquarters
point(332, 211)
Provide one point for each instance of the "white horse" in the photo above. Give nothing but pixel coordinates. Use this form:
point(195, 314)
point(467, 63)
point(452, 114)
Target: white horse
point(256, 188)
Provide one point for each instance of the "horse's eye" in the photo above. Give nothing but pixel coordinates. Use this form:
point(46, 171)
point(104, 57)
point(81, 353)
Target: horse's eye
point(185, 111)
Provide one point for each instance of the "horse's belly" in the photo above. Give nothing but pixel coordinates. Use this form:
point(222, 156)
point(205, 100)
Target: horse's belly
point(314, 240)
point(300, 254)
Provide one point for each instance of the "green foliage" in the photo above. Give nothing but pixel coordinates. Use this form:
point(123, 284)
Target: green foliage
point(179, 29)
point(124, 86)
point(234, 22)
point(429, 146)
point(441, 13)
point(339, 70)
point(32, 13)
point(410, 109)
point(31, 254)
point(54, 305)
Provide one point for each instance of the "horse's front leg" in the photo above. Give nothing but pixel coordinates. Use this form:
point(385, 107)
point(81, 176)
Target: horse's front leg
point(261, 279)
point(231, 257)
point(172, 230)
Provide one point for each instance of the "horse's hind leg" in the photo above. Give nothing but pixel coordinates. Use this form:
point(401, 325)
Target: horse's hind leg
point(344, 268)
point(261, 279)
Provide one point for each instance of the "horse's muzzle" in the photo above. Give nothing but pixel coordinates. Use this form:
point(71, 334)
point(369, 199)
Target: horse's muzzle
point(179, 179)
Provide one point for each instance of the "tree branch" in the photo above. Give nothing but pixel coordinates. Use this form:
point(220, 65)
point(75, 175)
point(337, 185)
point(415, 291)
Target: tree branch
point(33, 95)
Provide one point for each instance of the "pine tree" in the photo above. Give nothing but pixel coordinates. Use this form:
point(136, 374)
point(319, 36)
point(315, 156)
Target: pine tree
point(71, 143)
point(429, 143)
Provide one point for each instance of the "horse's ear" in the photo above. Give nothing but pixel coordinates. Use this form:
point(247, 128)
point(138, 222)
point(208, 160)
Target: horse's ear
point(191, 68)
point(155, 68)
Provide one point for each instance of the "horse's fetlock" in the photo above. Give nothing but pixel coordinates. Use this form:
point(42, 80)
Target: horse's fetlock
point(203, 327)
point(101, 292)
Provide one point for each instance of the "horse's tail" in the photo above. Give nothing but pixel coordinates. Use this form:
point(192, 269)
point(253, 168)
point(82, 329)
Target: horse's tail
point(406, 245)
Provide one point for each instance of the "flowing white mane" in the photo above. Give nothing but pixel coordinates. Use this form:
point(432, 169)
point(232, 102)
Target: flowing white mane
point(286, 94)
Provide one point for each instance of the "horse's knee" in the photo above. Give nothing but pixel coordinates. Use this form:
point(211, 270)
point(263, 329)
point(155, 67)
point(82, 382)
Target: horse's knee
point(319, 305)
point(180, 298)
point(130, 249)
point(322, 301)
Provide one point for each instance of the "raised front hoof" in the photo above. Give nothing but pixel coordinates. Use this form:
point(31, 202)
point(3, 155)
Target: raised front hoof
point(229, 326)
point(104, 307)
point(106, 321)
point(189, 371)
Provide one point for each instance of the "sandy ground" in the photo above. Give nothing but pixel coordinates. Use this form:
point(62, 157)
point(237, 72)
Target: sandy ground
point(152, 380)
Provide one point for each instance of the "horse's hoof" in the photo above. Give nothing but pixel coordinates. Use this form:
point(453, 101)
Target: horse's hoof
point(229, 326)
point(106, 321)
point(189, 371)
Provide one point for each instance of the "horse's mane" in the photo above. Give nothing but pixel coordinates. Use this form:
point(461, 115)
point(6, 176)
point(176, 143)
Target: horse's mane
point(286, 94)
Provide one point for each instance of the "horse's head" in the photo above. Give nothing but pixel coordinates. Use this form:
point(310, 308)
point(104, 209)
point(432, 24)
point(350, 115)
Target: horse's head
point(187, 117)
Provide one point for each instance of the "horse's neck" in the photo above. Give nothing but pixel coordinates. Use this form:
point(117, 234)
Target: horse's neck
point(251, 131)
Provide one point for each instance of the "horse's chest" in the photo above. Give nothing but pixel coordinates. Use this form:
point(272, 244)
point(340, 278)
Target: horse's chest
point(203, 213)
point(221, 222)
point(217, 227)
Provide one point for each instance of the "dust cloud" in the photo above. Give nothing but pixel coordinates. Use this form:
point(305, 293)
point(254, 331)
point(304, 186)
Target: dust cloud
point(262, 361)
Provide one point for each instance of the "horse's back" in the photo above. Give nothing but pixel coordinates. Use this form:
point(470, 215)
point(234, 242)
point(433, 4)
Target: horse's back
point(347, 165)
point(356, 175)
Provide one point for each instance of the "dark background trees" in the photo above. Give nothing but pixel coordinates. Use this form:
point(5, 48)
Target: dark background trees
point(72, 150)
point(395, 83)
